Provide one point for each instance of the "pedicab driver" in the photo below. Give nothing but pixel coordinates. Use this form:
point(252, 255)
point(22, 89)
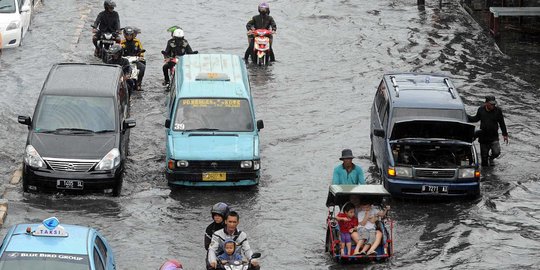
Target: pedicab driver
point(348, 173)
point(230, 232)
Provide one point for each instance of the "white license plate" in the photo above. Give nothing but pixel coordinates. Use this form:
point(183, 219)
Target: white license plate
point(435, 189)
point(69, 184)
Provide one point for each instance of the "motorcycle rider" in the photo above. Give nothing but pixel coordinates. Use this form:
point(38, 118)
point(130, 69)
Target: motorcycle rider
point(115, 52)
point(219, 211)
point(176, 46)
point(133, 47)
point(230, 231)
point(106, 21)
point(261, 21)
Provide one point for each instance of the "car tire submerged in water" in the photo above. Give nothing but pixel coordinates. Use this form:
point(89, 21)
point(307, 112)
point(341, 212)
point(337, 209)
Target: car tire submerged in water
point(118, 188)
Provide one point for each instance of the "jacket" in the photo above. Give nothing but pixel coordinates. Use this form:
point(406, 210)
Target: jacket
point(210, 230)
point(490, 121)
point(132, 47)
point(218, 239)
point(177, 47)
point(261, 22)
point(107, 21)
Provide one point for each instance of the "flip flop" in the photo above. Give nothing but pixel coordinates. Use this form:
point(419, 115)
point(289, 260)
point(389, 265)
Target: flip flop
point(373, 252)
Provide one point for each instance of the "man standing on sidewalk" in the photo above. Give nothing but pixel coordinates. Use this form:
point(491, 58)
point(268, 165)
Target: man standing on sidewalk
point(491, 118)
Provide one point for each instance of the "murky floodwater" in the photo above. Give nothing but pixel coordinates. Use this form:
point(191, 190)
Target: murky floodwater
point(315, 101)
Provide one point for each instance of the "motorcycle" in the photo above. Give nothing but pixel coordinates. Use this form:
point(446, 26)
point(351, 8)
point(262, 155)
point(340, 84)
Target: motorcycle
point(171, 71)
point(261, 48)
point(134, 70)
point(105, 40)
point(238, 265)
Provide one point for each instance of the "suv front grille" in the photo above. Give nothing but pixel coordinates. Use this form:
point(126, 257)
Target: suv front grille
point(70, 165)
point(434, 173)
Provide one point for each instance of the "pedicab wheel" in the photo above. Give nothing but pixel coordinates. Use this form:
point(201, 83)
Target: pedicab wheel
point(117, 189)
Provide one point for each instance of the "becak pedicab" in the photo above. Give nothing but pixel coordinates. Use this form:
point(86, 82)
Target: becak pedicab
point(338, 196)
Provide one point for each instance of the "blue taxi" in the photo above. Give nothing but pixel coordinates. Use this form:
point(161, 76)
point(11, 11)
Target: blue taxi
point(212, 132)
point(51, 246)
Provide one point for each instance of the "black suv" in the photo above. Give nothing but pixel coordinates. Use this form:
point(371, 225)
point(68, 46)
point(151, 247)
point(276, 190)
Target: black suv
point(78, 138)
point(420, 139)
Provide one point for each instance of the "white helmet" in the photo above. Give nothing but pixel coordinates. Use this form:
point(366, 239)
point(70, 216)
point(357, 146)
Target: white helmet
point(178, 33)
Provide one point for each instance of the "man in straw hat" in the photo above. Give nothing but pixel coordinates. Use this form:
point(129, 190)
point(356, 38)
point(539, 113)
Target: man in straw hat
point(348, 173)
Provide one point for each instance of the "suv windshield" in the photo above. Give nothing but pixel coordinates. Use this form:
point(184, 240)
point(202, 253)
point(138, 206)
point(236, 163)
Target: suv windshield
point(43, 261)
point(75, 113)
point(213, 115)
point(7, 6)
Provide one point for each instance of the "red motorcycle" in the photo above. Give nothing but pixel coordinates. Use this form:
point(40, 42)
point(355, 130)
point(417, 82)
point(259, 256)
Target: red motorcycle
point(261, 49)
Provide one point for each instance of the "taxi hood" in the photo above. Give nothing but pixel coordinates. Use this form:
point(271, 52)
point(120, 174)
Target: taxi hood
point(206, 146)
point(433, 129)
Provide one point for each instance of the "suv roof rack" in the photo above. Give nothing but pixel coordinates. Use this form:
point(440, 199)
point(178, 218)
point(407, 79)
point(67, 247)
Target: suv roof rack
point(450, 88)
point(394, 84)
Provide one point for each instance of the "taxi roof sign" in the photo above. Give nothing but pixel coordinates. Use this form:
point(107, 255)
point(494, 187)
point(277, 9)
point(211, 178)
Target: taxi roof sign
point(50, 227)
point(212, 76)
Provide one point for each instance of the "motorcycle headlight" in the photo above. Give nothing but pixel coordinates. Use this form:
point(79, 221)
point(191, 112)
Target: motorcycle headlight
point(13, 25)
point(246, 164)
point(107, 35)
point(466, 173)
point(32, 158)
point(256, 164)
point(109, 161)
point(405, 172)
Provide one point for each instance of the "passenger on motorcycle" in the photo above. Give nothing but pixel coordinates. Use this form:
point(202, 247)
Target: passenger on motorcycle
point(261, 21)
point(176, 46)
point(230, 254)
point(106, 21)
point(133, 47)
point(219, 212)
point(230, 232)
point(116, 59)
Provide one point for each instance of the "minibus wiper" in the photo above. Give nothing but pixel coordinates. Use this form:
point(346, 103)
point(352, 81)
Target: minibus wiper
point(203, 129)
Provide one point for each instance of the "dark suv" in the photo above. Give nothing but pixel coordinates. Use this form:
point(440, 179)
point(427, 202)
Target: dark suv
point(420, 139)
point(78, 138)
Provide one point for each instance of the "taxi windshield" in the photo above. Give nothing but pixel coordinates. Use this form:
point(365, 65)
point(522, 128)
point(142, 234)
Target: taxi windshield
point(43, 261)
point(7, 6)
point(93, 114)
point(211, 114)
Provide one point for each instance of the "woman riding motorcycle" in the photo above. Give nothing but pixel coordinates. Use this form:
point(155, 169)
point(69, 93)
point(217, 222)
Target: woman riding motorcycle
point(176, 46)
point(261, 21)
point(219, 211)
point(133, 47)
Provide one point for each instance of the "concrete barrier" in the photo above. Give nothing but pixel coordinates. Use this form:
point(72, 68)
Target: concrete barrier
point(3, 210)
point(17, 176)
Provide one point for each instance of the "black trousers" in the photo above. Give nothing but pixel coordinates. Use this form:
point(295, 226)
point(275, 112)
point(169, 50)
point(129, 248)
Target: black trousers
point(166, 68)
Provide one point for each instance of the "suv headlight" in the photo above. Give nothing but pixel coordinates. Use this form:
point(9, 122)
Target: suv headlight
point(13, 25)
point(467, 173)
point(246, 164)
point(32, 158)
point(109, 161)
point(405, 172)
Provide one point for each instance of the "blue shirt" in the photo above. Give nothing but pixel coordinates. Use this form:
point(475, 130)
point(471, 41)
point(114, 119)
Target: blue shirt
point(355, 177)
point(233, 257)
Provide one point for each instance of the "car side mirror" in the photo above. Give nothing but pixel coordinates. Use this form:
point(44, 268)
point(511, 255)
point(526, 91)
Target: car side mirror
point(25, 120)
point(378, 132)
point(260, 124)
point(25, 8)
point(256, 255)
point(129, 123)
point(168, 123)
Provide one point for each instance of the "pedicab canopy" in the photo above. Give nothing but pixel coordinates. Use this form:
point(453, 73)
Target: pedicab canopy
point(338, 195)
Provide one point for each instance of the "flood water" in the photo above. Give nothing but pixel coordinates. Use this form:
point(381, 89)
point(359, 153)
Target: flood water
point(315, 100)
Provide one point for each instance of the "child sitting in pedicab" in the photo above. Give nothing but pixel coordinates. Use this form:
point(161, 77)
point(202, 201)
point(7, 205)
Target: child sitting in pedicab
point(370, 232)
point(229, 254)
point(347, 225)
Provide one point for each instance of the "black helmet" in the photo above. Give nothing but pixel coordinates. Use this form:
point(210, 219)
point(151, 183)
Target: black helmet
point(221, 209)
point(109, 4)
point(116, 49)
point(128, 30)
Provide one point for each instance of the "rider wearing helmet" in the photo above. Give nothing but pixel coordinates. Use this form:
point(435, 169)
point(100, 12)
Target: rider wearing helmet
point(115, 53)
point(171, 265)
point(261, 21)
point(219, 212)
point(133, 47)
point(106, 21)
point(176, 46)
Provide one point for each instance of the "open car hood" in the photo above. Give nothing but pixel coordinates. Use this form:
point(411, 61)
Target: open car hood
point(433, 129)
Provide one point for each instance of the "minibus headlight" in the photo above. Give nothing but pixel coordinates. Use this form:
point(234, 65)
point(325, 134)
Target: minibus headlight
point(246, 164)
point(182, 164)
point(405, 172)
point(466, 173)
